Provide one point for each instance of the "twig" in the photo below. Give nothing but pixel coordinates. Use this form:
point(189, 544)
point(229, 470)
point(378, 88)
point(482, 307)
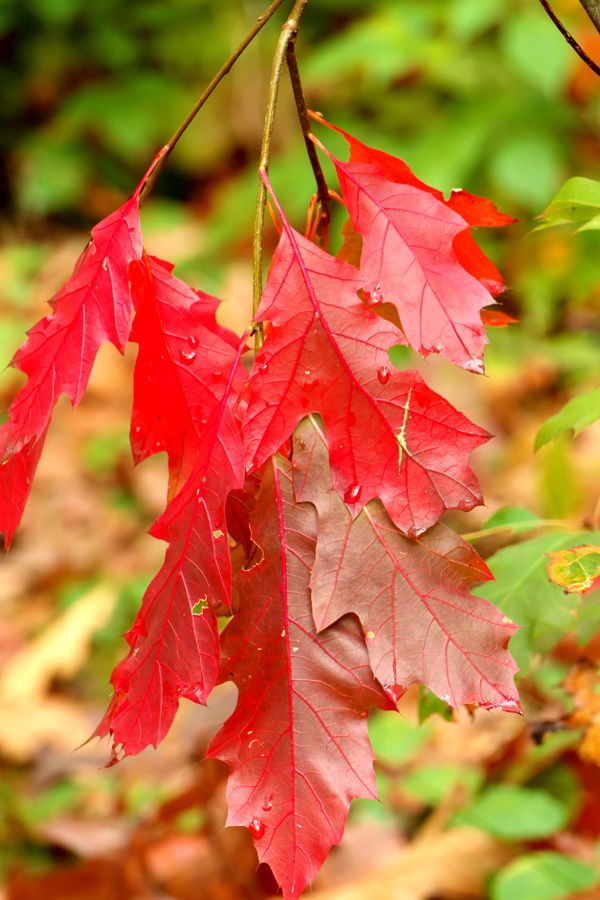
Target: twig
point(570, 39)
point(288, 33)
point(225, 68)
point(541, 523)
point(592, 8)
point(322, 189)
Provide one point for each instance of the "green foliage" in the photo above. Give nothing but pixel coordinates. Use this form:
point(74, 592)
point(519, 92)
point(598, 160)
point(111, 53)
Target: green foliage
point(577, 201)
point(430, 704)
point(575, 570)
point(543, 876)
point(576, 414)
point(523, 592)
point(514, 813)
point(515, 519)
point(435, 783)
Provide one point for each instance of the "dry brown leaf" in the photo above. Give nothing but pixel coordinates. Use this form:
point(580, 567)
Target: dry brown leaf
point(582, 683)
point(59, 651)
point(29, 719)
point(451, 863)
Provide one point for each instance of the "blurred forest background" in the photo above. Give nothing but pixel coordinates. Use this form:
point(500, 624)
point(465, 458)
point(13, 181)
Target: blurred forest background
point(480, 94)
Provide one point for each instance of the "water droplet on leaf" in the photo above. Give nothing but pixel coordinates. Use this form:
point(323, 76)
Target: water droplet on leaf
point(310, 383)
point(267, 804)
point(188, 356)
point(374, 296)
point(217, 375)
point(193, 340)
point(263, 367)
point(383, 373)
point(257, 828)
point(137, 432)
point(353, 493)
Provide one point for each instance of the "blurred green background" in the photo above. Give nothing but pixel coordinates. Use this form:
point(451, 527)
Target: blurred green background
point(479, 94)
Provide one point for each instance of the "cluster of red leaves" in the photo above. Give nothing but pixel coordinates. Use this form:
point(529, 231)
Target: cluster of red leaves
point(351, 592)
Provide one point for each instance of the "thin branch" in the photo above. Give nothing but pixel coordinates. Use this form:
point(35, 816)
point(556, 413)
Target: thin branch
point(225, 68)
point(592, 8)
point(288, 33)
point(541, 523)
point(571, 40)
point(322, 189)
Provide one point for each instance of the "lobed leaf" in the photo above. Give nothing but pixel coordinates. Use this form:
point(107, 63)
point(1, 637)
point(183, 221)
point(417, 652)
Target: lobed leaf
point(389, 435)
point(94, 306)
point(174, 643)
point(297, 743)
point(181, 371)
point(419, 254)
point(422, 625)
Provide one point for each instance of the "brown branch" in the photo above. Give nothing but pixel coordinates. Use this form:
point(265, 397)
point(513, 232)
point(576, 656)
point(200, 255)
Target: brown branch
point(225, 68)
point(592, 8)
point(571, 40)
point(288, 33)
point(322, 189)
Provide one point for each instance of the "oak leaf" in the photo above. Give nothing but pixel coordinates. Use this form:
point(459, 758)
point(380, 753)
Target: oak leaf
point(389, 435)
point(419, 254)
point(297, 743)
point(93, 307)
point(422, 624)
point(179, 406)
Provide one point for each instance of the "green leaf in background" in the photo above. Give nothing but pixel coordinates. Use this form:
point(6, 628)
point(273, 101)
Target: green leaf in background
point(394, 739)
point(434, 783)
point(514, 813)
point(514, 519)
point(575, 570)
point(524, 593)
point(430, 704)
point(542, 876)
point(536, 51)
point(527, 166)
point(577, 201)
point(577, 414)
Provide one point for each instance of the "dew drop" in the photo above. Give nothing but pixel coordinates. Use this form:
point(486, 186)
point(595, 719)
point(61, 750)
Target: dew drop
point(311, 383)
point(374, 296)
point(267, 804)
point(137, 432)
point(157, 446)
point(353, 493)
point(217, 375)
point(383, 373)
point(188, 356)
point(263, 367)
point(193, 340)
point(46, 322)
point(511, 706)
point(257, 828)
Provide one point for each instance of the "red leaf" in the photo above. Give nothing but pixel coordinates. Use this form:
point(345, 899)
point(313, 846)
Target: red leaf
point(175, 641)
point(419, 254)
point(390, 436)
point(495, 318)
point(297, 742)
point(94, 306)
point(181, 370)
point(422, 624)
